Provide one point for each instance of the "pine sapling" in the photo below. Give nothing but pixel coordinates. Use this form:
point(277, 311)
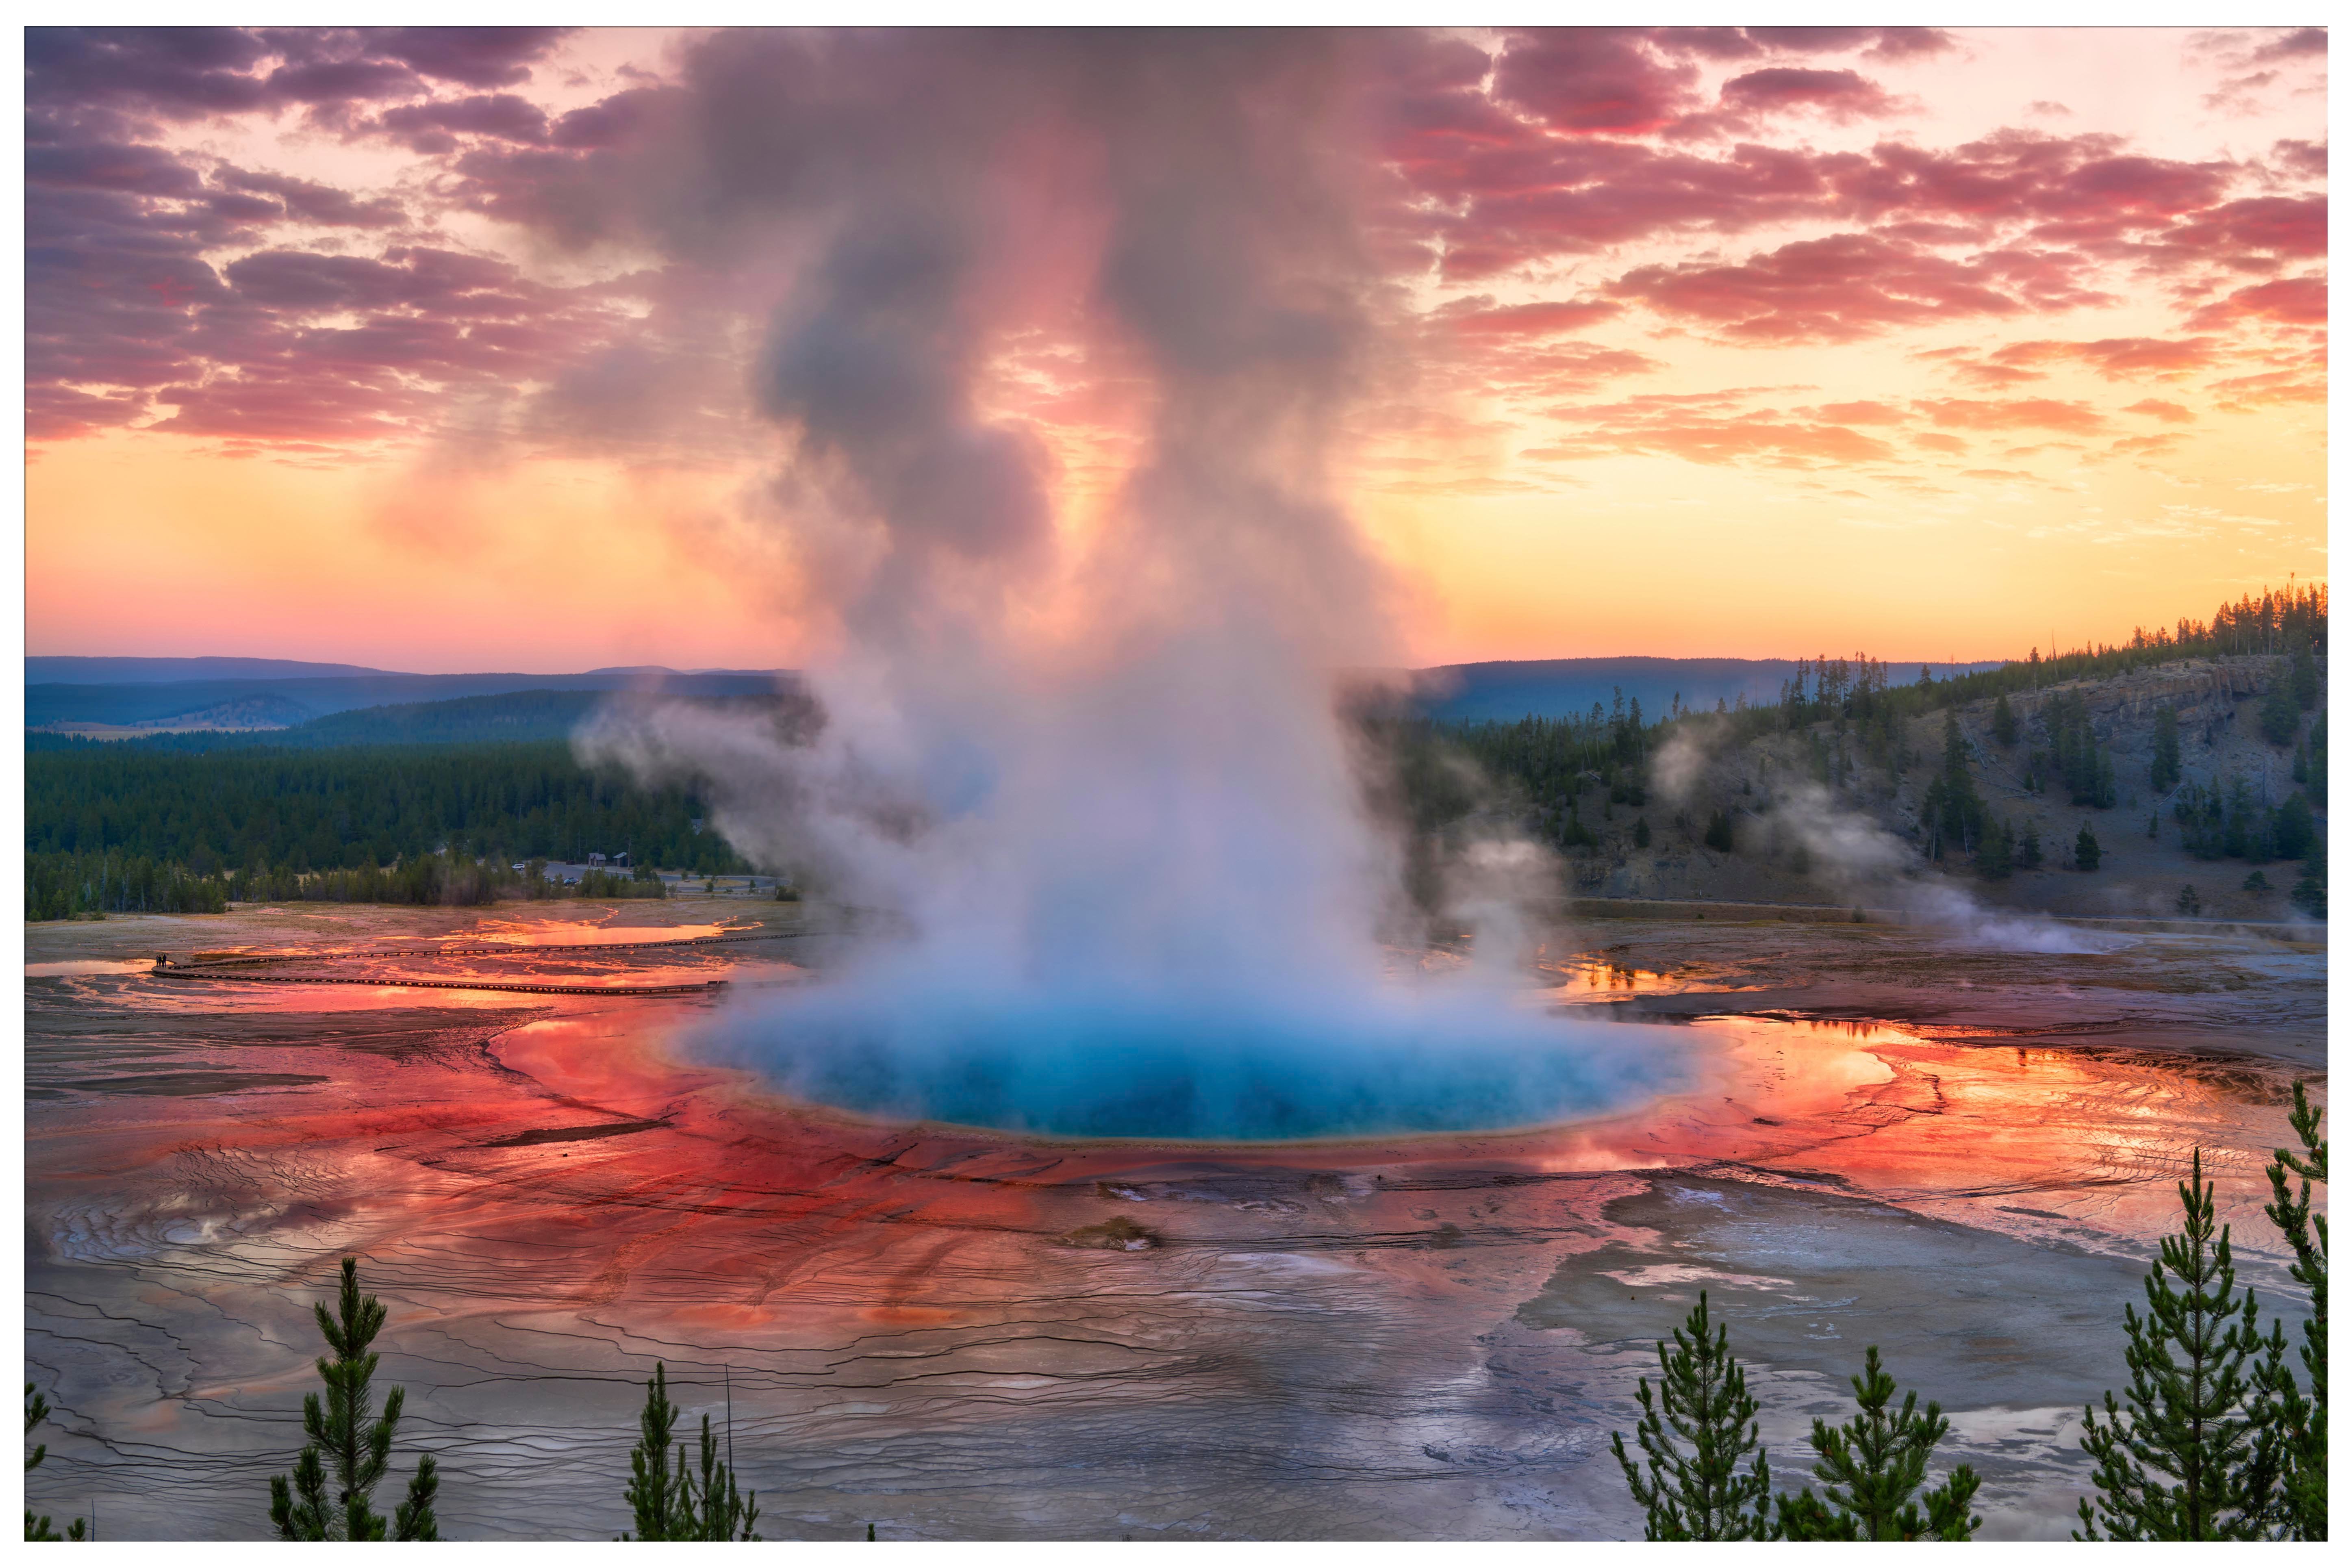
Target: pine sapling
point(2183, 1458)
point(672, 1501)
point(718, 1513)
point(414, 1519)
point(38, 1527)
point(2296, 1420)
point(300, 1512)
point(347, 1452)
point(1872, 1468)
point(1703, 1401)
point(652, 1490)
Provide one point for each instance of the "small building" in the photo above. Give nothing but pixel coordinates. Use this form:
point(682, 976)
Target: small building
point(595, 858)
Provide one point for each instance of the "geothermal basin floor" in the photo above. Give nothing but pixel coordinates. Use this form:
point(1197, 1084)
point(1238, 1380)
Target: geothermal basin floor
point(1961, 1155)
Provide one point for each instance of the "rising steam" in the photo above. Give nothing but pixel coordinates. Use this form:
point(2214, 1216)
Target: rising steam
point(1098, 774)
point(1860, 860)
point(1856, 860)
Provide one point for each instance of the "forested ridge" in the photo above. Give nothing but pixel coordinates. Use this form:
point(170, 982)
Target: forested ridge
point(165, 830)
point(183, 823)
point(1847, 721)
point(500, 718)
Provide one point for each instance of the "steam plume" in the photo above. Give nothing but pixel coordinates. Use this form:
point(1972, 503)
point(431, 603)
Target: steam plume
point(1103, 779)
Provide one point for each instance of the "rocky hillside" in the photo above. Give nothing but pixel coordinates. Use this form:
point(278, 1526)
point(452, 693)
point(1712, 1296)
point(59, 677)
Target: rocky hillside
point(1815, 818)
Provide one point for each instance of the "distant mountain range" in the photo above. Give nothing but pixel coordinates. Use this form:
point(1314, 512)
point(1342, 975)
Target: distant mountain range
point(153, 695)
point(286, 701)
point(1558, 688)
point(44, 670)
point(63, 670)
point(503, 716)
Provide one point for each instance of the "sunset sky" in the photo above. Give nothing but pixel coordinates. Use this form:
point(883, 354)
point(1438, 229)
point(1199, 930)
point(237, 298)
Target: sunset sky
point(426, 350)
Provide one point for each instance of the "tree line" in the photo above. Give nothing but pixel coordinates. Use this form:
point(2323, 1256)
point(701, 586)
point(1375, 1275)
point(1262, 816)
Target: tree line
point(1550, 761)
point(65, 887)
point(2217, 1437)
point(1851, 712)
point(346, 808)
point(1867, 694)
point(75, 887)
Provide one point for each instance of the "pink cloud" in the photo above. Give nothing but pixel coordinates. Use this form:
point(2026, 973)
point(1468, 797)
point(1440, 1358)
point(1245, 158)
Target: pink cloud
point(2269, 387)
point(1854, 286)
point(2117, 359)
point(2296, 301)
point(1839, 94)
point(1481, 317)
point(435, 127)
point(2019, 414)
point(1593, 80)
point(1862, 413)
point(1715, 428)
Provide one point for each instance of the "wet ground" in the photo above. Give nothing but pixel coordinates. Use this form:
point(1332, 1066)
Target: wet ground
point(1963, 1156)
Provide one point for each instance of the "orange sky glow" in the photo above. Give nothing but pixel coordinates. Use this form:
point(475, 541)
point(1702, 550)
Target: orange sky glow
point(1689, 341)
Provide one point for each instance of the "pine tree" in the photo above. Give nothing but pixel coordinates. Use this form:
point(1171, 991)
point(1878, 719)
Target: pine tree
point(359, 1450)
point(2164, 768)
point(716, 1511)
point(2310, 891)
point(1872, 1469)
point(2087, 850)
point(2185, 1458)
point(38, 1527)
point(2278, 714)
point(1956, 813)
point(2029, 848)
point(1703, 1400)
point(2004, 723)
point(1640, 833)
point(2297, 1419)
point(2303, 674)
point(652, 1490)
point(1996, 853)
point(675, 1504)
point(413, 1519)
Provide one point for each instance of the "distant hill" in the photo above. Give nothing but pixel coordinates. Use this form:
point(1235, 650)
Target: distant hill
point(1558, 688)
point(121, 698)
point(245, 703)
point(503, 716)
point(69, 669)
point(507, 716)
point(42, 669)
